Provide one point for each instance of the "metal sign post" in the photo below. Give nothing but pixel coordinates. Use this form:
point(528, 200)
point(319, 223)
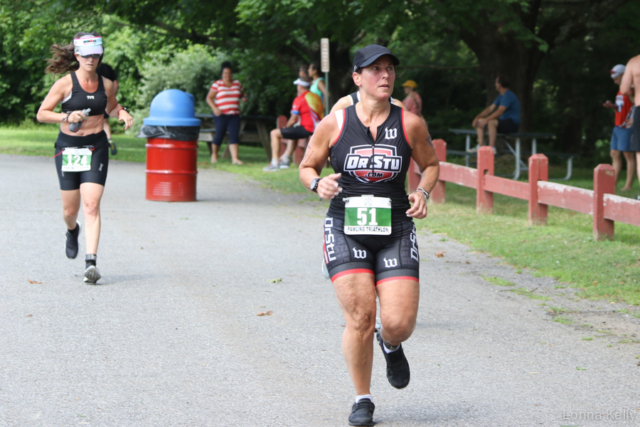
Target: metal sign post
point(324, 65)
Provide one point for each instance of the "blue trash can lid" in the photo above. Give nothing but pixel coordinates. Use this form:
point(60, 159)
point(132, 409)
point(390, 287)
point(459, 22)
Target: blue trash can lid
point(172, 107)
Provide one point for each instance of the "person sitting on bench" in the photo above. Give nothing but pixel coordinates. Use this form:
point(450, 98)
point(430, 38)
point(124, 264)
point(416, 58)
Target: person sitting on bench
point(307, 109)
point(503, 116)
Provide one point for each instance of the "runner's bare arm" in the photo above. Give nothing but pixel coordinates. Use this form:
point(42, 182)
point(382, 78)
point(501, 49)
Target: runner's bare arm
point(627, 80)
point(112, 103)
point(425, 156)
point(316, 155)
point(114, 109)
point(56, 94)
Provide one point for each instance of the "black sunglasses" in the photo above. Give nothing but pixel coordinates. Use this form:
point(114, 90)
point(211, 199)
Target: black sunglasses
point(93, 55)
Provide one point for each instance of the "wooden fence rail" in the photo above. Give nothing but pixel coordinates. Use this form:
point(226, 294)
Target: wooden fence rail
point(601, 202)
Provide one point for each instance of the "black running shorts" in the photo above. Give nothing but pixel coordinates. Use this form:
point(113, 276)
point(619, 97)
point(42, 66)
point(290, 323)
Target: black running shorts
point(99, 160)
point(635, 136)
point(295, 132)
point(393, 257)
point(507, 126)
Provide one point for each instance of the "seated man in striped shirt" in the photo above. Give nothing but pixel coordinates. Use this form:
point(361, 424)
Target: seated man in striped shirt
point(306, 109)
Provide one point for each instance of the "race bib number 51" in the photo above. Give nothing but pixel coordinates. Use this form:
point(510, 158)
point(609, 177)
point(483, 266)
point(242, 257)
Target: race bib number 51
point(76, 159)
point(367, 215)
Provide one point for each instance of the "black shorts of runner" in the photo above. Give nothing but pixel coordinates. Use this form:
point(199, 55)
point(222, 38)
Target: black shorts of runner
point(507, 126)
point(99, 160)
point(393, 257)
point(296, 132)
point(635, 136)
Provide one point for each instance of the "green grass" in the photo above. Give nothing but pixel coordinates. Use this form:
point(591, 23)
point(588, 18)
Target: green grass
point(563, 320)
point(498, 281)
point(557, 310)
point(33, 140)
point(529, 294)
point(563, 249)
point(39, 140)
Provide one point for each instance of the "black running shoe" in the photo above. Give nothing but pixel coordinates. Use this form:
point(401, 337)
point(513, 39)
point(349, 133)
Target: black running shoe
point(71, 247)
point(398, 372)
point(114, 149)
point(362, 413)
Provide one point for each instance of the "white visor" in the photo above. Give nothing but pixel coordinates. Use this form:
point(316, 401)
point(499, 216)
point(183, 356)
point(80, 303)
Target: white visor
point(301, 83)
point(88, 45)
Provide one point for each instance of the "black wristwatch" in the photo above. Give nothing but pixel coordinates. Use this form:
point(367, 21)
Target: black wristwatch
point(314, 185)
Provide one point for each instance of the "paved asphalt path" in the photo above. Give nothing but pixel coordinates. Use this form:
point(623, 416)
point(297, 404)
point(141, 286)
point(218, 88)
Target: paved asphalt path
point(171, 336)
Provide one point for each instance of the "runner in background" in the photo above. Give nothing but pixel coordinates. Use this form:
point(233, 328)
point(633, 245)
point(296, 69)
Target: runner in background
point(105, 70)
point(370, 243)
point(81, 155)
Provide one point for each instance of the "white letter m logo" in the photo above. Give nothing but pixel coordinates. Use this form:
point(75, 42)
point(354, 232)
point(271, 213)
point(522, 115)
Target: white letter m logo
point(390, 133)
point(359, 254)
point(388, 263)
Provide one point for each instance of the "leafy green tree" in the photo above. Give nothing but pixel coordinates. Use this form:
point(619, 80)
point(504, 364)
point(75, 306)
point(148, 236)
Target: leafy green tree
point(290, 30)
point(575, 80)
point(27, 29)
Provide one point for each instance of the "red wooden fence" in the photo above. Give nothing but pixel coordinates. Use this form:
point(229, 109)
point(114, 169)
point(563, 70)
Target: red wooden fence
point(601, 202)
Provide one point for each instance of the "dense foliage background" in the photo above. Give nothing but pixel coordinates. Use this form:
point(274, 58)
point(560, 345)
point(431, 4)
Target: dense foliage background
point(558, 54)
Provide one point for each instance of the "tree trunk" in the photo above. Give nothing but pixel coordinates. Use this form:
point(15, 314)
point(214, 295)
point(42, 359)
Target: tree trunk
point(340, 80)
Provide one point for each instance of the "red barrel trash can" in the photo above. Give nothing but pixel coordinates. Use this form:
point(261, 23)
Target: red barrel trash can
point(172, 147)
point(171, 170)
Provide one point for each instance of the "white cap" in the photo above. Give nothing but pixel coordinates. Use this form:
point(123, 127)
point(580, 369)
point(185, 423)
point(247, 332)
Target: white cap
point(618, 70)
point(302, 83)
point(88, 45)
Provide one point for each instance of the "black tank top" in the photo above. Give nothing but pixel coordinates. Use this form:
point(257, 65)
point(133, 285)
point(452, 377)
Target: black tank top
point(81, 100)
point(371, 167)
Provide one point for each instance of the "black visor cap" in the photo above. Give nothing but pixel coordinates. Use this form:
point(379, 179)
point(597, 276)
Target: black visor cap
point(367, 55)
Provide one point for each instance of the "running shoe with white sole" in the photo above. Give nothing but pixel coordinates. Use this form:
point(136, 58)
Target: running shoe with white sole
point(91, 275)
point(398, 372)
point(362, 413)
point(271, 168)
point(284, 163)
point(71, 245)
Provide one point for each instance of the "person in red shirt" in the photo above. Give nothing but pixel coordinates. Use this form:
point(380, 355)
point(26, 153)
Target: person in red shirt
point(621, 137)
point(305, 111)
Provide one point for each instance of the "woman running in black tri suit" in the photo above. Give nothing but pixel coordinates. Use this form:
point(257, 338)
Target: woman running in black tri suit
point(81, 157)
point(370, 244)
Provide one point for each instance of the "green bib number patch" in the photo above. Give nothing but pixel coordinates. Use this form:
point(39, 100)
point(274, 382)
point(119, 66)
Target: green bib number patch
point(367, 215)
point(76, 159)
